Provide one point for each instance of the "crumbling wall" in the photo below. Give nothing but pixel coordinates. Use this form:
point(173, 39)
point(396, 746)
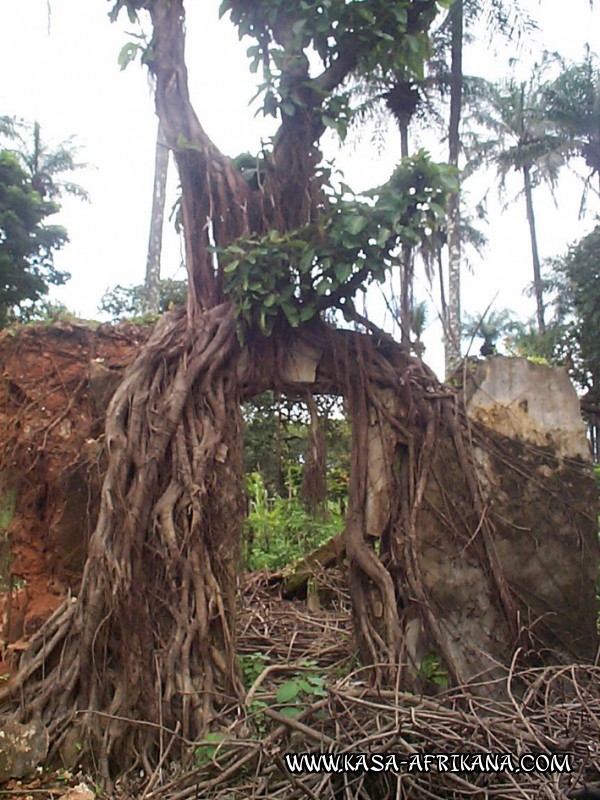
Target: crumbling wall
point(540, 486)
point(535, 472)
point(55, 384)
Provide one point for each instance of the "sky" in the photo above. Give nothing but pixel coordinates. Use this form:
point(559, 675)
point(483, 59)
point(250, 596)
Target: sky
point(58, 62)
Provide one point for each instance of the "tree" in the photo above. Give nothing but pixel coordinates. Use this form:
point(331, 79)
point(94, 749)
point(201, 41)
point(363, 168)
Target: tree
point(519, 138)
point(151, 636)
point(404, 96)
point(453, 324)
point(129, 302)
point(27, 243)
point(508, 20)
point(572, 286)
point(574, 109)
point(490, 327)
point(152, 282)
point(45, 165)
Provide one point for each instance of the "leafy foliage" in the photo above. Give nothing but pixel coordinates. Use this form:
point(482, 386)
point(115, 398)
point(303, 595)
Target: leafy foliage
point(291, 277)
point(432, 672)
point(515, 129)
point(572, 340)
point(276, 440)
point(46, 165)
point(128, 302)
point(279, 530)
point(574, 108)
point(365, 36)
point(209, 747)
point(580, 273)
point(27, 243)
point(302, 689)
point(490, 327)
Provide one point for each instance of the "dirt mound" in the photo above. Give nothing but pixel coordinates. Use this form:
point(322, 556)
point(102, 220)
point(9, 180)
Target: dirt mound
point(55, 384)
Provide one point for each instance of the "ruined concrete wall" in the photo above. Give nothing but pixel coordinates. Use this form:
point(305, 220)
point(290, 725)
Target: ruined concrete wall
point(534, 467)
point(540, 487)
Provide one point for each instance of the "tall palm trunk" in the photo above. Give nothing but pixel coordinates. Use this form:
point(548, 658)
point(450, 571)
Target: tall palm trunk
point(152, 282)
point(406, 258)
point(453, 332)
point(537, 272)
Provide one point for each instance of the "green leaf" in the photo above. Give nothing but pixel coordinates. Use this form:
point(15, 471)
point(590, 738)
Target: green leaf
point(306, 260)
point(322, 286)
point(287, 691)
point(224, 8)
point(298, 27)
point(231, 267)
point(288, 108)
point(306, 313)
point(402, 15)
point(270, 300)
point(342, 272)
point(291, 314)
point(355, 225)
point(383, 237)
point(291, 712)
point(215, 737)
point(128, 54)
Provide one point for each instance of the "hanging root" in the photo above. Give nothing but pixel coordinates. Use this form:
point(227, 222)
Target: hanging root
point(148, 644)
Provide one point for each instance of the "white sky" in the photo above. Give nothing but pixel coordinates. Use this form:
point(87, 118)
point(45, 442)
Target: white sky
point(62, 71)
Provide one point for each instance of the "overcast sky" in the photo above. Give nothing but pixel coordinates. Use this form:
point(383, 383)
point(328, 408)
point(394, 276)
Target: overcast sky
point(59, 67)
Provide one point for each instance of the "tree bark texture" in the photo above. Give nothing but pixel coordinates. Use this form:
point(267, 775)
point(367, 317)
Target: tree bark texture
point(152, 281)
point(453, 321)
point(538, 287)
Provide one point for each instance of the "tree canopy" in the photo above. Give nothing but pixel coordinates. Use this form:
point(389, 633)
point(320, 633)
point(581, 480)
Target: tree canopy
point(27, 242)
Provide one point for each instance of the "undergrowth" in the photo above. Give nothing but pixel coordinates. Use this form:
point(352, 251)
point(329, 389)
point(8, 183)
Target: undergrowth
point(279, 530)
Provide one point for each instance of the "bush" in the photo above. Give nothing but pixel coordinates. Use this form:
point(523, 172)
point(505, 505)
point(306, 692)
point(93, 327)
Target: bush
point(279, 530)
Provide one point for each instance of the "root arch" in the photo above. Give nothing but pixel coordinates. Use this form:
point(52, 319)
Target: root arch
point(147, 649)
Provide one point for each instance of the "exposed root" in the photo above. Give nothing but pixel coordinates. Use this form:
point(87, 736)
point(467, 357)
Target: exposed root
point(149, 637)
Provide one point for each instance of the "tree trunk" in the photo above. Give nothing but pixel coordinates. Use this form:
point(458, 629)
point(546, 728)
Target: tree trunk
point(404, 139)
point(314, 473)
point(151, 635)
point(453, 322)
point(538, 287)
point(406, 259)
point(152, 282)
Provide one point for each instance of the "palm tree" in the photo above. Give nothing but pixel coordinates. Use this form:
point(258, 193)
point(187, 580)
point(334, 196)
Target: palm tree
point(406, 98)
point(504, 18)
point(47, 165)
point(518, 138)
point(574, 109)
point(7, 127)
point(490, 327)
point(152, 282)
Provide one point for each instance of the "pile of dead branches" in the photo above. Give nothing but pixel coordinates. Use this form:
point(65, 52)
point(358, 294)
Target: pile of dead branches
point(547, 712)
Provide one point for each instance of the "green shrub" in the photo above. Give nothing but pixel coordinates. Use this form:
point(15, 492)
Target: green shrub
point(279, 530)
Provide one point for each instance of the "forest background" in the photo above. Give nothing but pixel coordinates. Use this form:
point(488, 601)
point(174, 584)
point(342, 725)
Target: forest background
point(62, 62)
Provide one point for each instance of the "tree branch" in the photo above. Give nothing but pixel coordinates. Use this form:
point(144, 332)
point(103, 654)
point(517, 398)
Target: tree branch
point(335, 74)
